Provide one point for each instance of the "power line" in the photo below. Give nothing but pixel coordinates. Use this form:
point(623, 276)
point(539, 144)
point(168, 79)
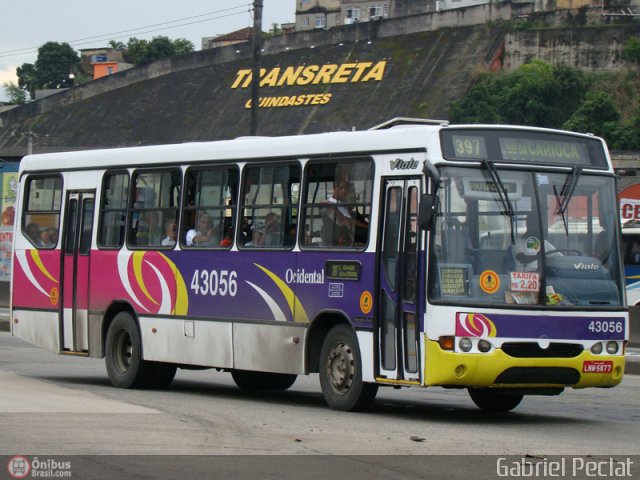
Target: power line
point(139, 30)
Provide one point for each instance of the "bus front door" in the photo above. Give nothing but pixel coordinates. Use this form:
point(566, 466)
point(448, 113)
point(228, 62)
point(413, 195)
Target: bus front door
point(76, 249)
point(397, 318)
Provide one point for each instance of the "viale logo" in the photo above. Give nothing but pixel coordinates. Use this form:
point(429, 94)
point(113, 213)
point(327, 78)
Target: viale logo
point(586, 266)
point(399, 164)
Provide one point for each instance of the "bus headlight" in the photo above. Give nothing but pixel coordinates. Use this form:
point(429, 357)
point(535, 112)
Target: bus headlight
point(596, 348)
point(465, 344)
point(484, 346)
point(612, 348)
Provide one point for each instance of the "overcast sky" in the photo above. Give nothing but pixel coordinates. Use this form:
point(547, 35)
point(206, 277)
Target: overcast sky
point(92, 24)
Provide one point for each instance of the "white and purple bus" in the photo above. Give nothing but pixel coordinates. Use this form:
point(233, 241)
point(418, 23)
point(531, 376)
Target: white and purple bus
point(380, 257)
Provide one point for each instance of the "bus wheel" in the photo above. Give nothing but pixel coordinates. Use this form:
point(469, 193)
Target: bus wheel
point(495, 400)
point(123, 355)
point(249, 380)
point(163, 375)
point(341, 372)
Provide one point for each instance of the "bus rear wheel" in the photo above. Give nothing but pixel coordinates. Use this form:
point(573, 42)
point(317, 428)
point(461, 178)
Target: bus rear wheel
point(123, 355)
point(495, 400)
point(259, 381)
point(341, 372)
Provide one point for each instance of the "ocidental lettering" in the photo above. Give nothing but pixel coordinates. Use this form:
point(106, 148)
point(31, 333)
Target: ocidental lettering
point(303, 277)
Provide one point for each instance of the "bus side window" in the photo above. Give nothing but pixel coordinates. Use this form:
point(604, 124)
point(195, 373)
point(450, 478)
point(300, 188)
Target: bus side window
point(156, 195)
point(337, 204)
point(210, 207)
point(270, 198)
point(113, 210)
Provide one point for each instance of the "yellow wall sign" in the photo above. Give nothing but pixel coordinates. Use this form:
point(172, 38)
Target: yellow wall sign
point(489, 281)
point(366, 302)
point(309, 75)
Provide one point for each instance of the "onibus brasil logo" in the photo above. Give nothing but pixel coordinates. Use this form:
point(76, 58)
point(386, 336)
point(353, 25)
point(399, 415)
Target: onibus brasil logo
point(21, 467)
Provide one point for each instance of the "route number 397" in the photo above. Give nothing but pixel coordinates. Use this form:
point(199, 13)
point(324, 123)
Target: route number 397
point(215, 283)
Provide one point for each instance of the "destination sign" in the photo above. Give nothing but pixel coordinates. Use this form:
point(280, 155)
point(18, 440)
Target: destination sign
point(505, 145)
point(342, 270)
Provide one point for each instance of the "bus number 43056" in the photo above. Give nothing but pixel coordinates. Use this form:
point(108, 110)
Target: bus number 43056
point(604, 326)
point(215, 283)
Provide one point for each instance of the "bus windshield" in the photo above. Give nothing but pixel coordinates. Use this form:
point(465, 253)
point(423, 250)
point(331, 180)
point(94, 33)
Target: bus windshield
point(517, 237)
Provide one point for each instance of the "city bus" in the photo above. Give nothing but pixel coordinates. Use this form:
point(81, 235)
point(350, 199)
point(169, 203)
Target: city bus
point(631, 260)
point(413, 254)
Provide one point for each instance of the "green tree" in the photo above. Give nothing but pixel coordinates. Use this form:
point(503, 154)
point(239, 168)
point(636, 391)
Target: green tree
point(157, 49)
point(182, 46)
point(597, 114)
point(16, 95)
point(27, 79)
point(535, 94)
point(631, 50)
point(141, 52)
point(135, 50)
point(54, 64)
point(119, 46)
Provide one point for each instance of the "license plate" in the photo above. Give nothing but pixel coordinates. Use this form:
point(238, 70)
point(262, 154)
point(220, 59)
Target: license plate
point(597, 366)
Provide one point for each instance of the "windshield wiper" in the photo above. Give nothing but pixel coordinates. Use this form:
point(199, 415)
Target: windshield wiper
point(566, 193)
point(502, 194)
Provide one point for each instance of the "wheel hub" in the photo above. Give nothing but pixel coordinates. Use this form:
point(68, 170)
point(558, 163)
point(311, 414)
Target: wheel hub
point(123, 351)
point(340, 368)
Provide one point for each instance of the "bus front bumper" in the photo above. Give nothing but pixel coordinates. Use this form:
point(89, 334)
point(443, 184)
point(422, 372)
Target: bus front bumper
point(497, 369)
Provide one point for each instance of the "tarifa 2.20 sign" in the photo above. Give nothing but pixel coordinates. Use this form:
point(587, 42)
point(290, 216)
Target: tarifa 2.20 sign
point(307, 75)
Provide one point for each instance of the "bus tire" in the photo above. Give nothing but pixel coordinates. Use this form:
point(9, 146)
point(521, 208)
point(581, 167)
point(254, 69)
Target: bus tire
point(259, 381)
point(341, 372)
point(495, 400)
point(163, 375)
point(123, 354)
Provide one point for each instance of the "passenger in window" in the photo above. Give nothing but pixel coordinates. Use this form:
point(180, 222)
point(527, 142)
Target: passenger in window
point(246, 232)
point(45, 239)
point(33, 233)
point(267, 233)
point(290, 239)
point(171, 232)
point(343, 223)
point(203, 235)
point(53, 236)
point(227, 241)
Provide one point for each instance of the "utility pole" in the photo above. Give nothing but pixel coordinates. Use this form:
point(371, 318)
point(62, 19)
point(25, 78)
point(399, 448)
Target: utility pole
point(30, 135)
point(255, 78)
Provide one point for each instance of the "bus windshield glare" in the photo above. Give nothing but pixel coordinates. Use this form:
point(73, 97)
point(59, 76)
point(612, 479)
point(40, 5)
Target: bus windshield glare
point(542, 252)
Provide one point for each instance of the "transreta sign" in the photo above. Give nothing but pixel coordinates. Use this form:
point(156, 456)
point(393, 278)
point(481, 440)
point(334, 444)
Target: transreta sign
point(630, 203)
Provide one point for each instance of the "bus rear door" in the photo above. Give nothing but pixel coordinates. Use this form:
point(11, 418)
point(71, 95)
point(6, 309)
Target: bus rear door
point(397, 318)
point(77, 233)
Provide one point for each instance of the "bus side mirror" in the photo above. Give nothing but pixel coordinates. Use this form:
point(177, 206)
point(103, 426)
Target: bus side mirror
point(428, 210)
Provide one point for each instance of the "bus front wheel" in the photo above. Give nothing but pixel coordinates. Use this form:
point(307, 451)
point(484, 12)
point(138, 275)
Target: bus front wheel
point(341, 372)
point(123, 355)
point(495, 400)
